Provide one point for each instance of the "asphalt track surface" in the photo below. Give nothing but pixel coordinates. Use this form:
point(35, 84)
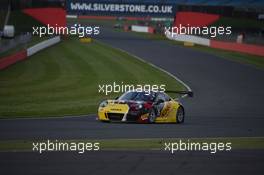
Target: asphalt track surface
point(228, 102)
point(133, 162)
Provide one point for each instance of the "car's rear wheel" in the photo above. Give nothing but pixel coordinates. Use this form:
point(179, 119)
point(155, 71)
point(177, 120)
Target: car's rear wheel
point(180, 115)
point(152, 116)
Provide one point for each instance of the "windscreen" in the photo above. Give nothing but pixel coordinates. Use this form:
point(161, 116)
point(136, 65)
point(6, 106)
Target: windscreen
point(138, 96)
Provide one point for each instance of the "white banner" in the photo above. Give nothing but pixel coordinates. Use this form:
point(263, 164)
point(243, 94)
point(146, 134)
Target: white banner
point(189, 38)
point(139, 28)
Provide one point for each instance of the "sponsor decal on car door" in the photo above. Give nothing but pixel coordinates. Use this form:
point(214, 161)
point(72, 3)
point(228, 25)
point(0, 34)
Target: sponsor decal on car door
point(165, 112)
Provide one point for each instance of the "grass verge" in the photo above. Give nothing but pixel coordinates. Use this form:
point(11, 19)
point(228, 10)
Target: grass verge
point(237, 143)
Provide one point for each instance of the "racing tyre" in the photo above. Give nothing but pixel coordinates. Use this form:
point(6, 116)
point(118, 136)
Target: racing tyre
point(180, 115)
point(152, 116)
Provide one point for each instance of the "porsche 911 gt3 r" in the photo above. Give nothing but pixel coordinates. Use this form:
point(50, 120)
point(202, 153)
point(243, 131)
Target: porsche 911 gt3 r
point(143, 107)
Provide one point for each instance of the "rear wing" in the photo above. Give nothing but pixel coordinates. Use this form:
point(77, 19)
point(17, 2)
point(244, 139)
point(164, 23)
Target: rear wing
point(183, 93)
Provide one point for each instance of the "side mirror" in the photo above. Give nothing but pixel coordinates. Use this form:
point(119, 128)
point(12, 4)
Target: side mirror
point(116, 98)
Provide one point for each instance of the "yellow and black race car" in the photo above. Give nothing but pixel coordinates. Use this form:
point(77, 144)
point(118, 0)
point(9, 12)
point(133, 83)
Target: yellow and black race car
point(143, 107)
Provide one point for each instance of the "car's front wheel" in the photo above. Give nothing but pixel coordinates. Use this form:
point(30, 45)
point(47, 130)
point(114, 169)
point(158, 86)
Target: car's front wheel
point(180, 115)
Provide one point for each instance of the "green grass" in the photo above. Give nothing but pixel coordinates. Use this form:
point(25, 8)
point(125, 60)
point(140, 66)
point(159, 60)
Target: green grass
point(237, 143)
point(63, 80)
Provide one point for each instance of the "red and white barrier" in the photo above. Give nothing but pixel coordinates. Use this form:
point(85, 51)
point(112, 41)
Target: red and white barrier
point(42, 45)
point(55, 17)
point(144, 29)
point(194, 19)
point(239, 47)
point(24, 54)
point(71, 16)
point(231, 46)
point(12, 59)
point(189, 38)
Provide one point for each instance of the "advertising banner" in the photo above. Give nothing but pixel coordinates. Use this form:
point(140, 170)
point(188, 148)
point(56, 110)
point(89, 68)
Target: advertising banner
point(86, 7)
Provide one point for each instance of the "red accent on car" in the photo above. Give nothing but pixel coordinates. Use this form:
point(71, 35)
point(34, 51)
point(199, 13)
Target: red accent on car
point(133, 107)
point(142, 121)
point(147, 105)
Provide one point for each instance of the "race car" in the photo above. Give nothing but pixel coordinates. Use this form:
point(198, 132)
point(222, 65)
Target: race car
point(143, 107)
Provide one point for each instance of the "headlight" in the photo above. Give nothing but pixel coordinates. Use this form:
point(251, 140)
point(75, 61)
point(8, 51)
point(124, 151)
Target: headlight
point(103, 104)
point(139, 107)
